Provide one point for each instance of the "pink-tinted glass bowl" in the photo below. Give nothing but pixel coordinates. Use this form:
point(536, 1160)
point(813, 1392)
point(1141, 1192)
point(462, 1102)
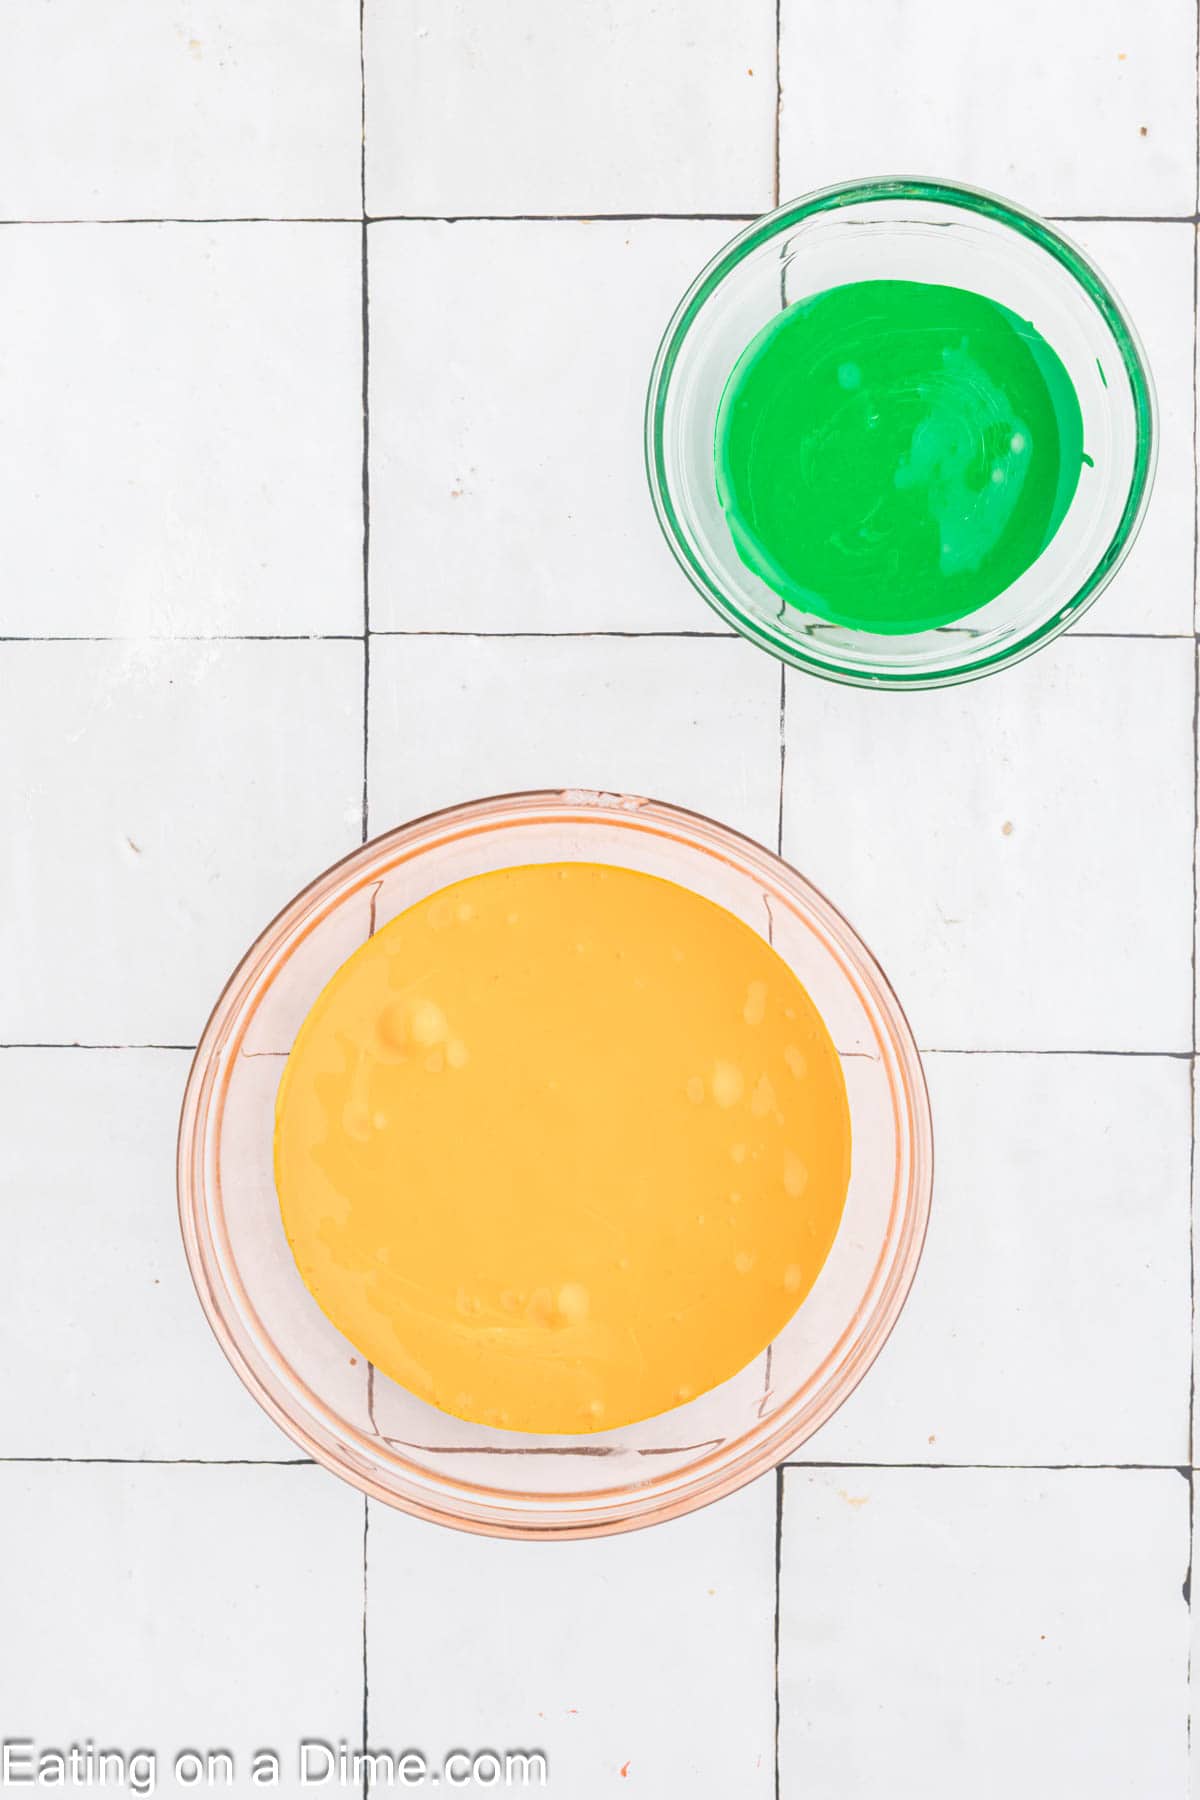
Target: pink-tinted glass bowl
point(377, 1435)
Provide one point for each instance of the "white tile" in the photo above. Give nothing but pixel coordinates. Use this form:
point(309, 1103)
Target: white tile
point(183, 425)
point(161, 802)
point(1046, 104)
point(535, 107)
point(1151, 267)
point(1017, 852)
point(128, 1366)
point(1051, 1317)
point(508, 483)
point(172, 1608)
point(649, 1654)
point(693, 721)
point(156, 109)
point(985, 1632)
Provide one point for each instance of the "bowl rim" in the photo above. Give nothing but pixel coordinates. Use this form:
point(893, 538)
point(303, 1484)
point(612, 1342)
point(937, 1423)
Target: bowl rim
point(234, 1322)
point(988, 205)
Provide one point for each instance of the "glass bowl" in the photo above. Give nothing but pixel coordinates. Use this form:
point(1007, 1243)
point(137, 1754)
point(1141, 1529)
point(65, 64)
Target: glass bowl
point(918, 231)
point(380, 1437)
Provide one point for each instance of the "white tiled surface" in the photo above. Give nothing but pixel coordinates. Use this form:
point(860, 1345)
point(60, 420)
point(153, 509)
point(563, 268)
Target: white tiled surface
point(695, 721)
point(129, 1368)
point(1017, 852)
point(149, 109)
point(164, 1607)
point(982, 1560)
point(991, 1632)
point(246, 521)
point(598, 106)
point(654, 1653)
point(161, 801)
point(1049, 1322)
point(1082, 106)
point(508, 491)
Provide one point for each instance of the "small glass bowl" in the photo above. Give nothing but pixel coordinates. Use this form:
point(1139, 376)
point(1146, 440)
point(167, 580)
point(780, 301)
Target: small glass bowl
point(376, 1434)
point(917, 231)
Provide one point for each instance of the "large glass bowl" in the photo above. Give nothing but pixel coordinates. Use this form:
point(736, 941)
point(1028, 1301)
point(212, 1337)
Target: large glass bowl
point(917, 231)
point(318, 1387)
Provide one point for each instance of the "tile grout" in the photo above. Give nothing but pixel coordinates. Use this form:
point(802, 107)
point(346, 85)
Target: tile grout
point(1016, 1468)
point(172, 1462)
point(75, 1044)
point(779, 1494)
point(951, 1050)
point(366, 737)
point(309, 1462)
point(1187, 1585)
point(383, 631)
point(366, 724)
point(197, 219)
point(366, 534)
point(775, 197)
point(595, 218)
point(580, 218)
point(365, 218)
point(366, 421)
point(366, 1684)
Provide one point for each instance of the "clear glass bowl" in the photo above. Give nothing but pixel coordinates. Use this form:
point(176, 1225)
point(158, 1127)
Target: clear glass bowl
point(917, 231)
point(318, 1387)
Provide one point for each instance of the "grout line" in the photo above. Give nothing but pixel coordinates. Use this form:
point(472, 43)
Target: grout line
point(308, 1462)
point(597, 218)
point(725, 637)
point(366, 1685)
point(592, 218)
point(775, 186)
point(1171, 1055)
point(366, 742)
point(173, 1462)
point(188, 638)
point(366, 545)
point(214, 219)
point(1018, 1468)
point(1123, 218)
point(1187, 1580)
point(779, 1485)
point(366, 421)
point(355, 637)
point(366, 416)
point(767, 1367)
point(76, 1045)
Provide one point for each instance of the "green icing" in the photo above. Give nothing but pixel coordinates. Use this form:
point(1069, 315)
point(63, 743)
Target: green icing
point(891, 455)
